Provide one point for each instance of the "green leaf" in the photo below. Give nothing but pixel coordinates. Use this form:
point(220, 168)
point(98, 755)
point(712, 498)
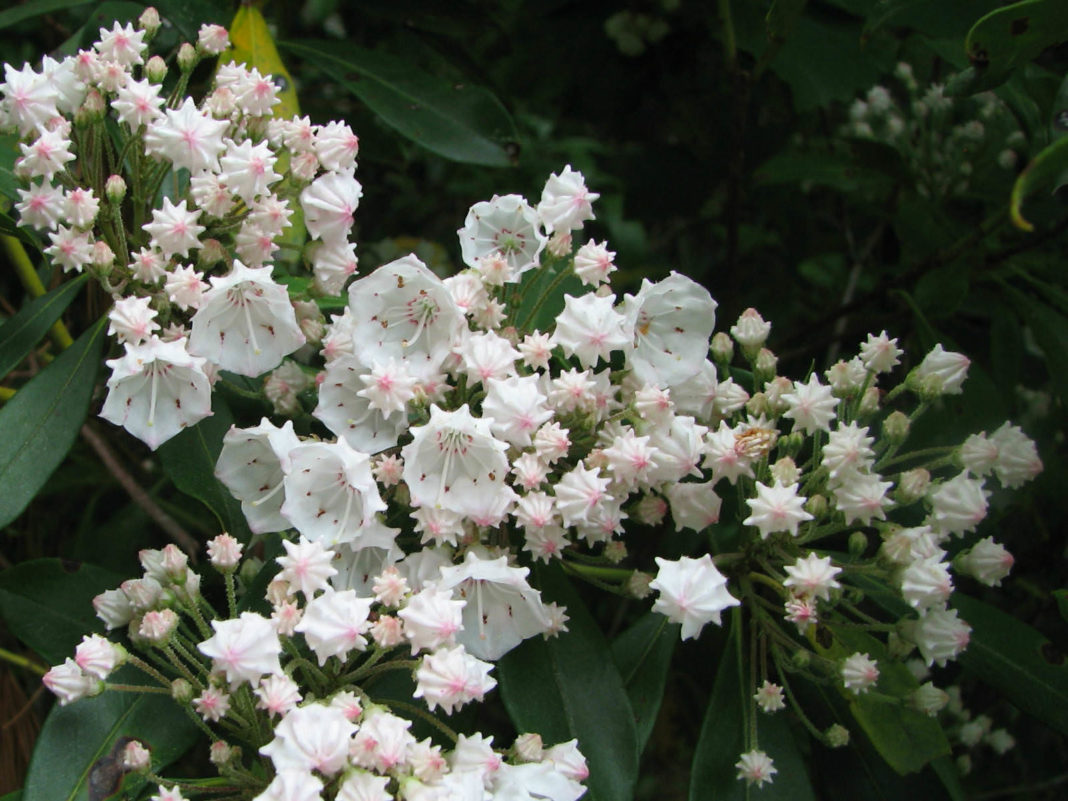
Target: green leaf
point(643, 654)
point(460, 122)
point(1050, 329)
point(1058, 118)
point(253, 46)
point(1016, 659)
point(21, 333)
point(566, 687)
point(9, 184)
point(189, 459)
point(78, 755)
point(837, 171)
point(906, 738)
point(1011, 36)
point(47, 604)
point(1048, 168)
point(36, 9)
point(39, 425)
point(714, 776)
point(541, 294)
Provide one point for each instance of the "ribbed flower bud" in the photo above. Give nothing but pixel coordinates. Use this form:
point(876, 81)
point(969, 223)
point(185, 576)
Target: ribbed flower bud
point(816, 505)
point(187, 57)
point(858, 543)
point(149, 22)
point(638, 584)
point(764, 366)
point(722, 349)
point(115, 189)
point(836, 736)
point(181, 691)
point(913, 484)
point(156, 70)
point(869, 403)
point(896, 427)
point(136, 758)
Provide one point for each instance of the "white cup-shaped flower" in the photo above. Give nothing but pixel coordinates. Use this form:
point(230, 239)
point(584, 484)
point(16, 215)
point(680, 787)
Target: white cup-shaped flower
point(313, 737)
point(506, 226)
point(156, 390)
point(245, 322)
point(245, 648)
point(250, 465)
point(331, 493)
point(502, 608)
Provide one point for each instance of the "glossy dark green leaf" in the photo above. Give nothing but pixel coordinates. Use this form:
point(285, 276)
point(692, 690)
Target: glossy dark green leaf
point(1006, 653)
point(643, 654)
point(19, 334)
point(47, 604)
point(37, 8)
point(565, 687)
point(1058, 118)
point(1046, 171)
point(837, 171)
point(9, 184)
point(541, 294)
point(714, 776)
point(78, 756)
point(460, 122)
point(905, 738)
point(1061, 597)
point(189, 459)
point(1050, 330)
point(1011, 36)
point(39, 425)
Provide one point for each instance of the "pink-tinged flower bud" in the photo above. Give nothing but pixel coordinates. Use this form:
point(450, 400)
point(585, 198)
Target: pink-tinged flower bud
point(615, 551)
point(859, 673)
point(722, 348)
point(560, 244)
point(149, 22)
point(174, 563)
point(387, 632)
point(913, 484)
point(987, 561)
point(156, 70)
point(136, 758)
point(764, 365)
point(98, 656)
point(751, 332)
point(144, 593)
point(68, 683)
point(278, 591)
point(529, 748)
point(212, 39)
point(940, 373)
point(222, 753)
point(115, 189)
point(776, 391)
point(187, 57)
point(224, 552)
point(757, 405)
point(181, 691)
point(157, 626)
point(304, 167)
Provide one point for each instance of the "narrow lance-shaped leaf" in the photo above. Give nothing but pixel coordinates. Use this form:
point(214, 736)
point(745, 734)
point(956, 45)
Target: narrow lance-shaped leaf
point(1008, 654)
point(643, 653)
point(460, 122)
point(38, 426)
point(21, 333)
point(565, 688)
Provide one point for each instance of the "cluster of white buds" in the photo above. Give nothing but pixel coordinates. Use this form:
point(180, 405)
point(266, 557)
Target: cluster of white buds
point(942, 139)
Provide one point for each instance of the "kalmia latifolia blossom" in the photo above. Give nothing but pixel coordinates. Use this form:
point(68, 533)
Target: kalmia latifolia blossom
point(451, 440)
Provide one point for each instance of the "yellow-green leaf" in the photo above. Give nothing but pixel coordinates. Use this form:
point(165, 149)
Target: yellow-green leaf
point(252, 45)
point(1049, 167)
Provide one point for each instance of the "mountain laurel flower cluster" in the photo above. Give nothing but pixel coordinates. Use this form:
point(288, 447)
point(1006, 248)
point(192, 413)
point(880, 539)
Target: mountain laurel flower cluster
point(439, 445)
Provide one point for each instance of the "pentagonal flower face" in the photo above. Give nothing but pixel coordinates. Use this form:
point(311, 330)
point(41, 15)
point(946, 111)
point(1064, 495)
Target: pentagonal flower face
point(330, 492)
point(506, 226)
point(452, 460)
point(245, 323)
point(156, 389)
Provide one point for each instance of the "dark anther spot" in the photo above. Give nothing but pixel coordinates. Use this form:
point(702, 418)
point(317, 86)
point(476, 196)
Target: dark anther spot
point(1052, 654)
point(1020, 26)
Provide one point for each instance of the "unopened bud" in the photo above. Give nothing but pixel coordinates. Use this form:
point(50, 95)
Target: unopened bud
point(722, 349)
point(896, 427)
point(764, 366)
point(898, 646)
point(615, 551)
point(869, 403)
point(181, 691)
point(858, 543)
point(187, 57)
point(157, 626)
point(776, 391)
point(92, 109)
point(757, 406)
point(115, 189)
point(174, 563)
point(785, 471)
point(638, 584)
point(529, 748)
point(156, 70)
point(103, 256)
point(816, 506)
point(149, 22)
point(212, 252)
point(310, 319)
point(224, 552)
point(136, 758)
point(790, 444)
point(560, 244)
point(801, 658)
point(836, 736)
point(912, 484)
point(221, 753)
